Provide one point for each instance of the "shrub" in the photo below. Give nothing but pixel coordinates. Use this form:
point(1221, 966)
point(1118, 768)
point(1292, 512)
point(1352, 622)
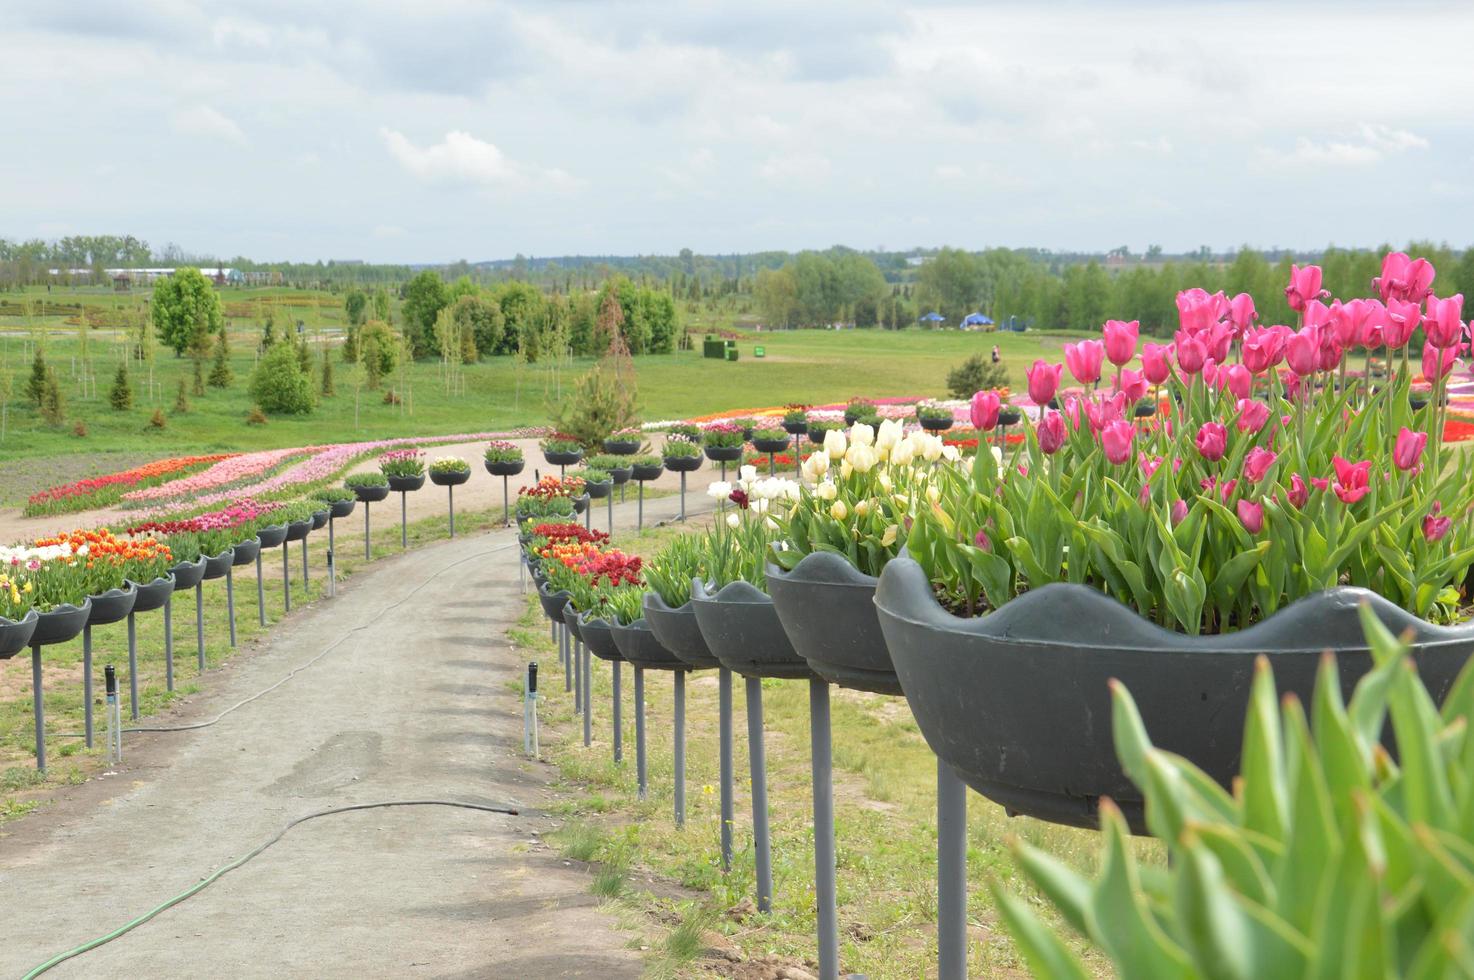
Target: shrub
point(929, 410)
point(255, 416)
point(328, 390)
point(390, 398)
point(607, 462)
point(561, 442)
point(332, 495)
point(644, 461)
point(378, 351)
point(181, 400)
point(976, 374)
point(120, 395)
point(79, 429)
point(598, 404)
point(157, 419)
point(589, 475)
point(769, 432)
point(278, 384)
point(36, 383)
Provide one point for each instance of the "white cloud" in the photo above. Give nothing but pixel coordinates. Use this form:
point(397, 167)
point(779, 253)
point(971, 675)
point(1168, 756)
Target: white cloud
point(1392, 140)
point(382, 232)
point(1375, 142)
point(795, 167)
point(949, 171)
point(204, 120)
point(460, 159)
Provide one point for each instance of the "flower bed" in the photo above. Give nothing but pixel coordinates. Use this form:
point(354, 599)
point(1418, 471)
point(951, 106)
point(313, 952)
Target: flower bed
point(102, 491)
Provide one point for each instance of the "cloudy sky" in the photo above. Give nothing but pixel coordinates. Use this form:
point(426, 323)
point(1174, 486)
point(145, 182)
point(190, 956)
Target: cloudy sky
point(444, 129)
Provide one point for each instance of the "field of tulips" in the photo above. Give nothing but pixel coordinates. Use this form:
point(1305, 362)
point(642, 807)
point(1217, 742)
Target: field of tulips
point(103, 491)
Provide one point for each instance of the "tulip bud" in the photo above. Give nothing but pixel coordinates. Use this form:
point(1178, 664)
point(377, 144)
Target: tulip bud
point(1252, 515)
point(889, 537)
point(1051, 431)
point(838, 510)
point(733, 520)
point(1407, 452)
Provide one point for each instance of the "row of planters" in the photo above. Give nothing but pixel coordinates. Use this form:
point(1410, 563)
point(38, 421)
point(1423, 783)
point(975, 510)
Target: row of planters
point(1122, 573)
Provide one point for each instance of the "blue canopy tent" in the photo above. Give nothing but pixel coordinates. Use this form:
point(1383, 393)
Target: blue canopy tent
point(932, 317)
point(976, 320)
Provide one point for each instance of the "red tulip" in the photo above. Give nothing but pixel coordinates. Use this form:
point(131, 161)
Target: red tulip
point(1156, 362)
point(1043, 381)
point(1402, 319)
point(1353, 480)
point(1212, 441)
point(1434, 526)
point(1407, 452)
point(1302, 352)
point(1083, 360)
point(1120, 340)
point(1404, 278)
point(1252, 415)
point(1304, 286)
point(1438, 363)
point(1257, 464)
point(1252, 514)
point(1051, 430)
point(1116, 439)
point(1241, 313)
point(1192, 353)
point(985, 410)
point(1299, 493)
point(1441, 324)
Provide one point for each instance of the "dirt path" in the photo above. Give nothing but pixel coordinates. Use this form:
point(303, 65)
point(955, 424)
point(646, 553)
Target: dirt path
point(417, 703)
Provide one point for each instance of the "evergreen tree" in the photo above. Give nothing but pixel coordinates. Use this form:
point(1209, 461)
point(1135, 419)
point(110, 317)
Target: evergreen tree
point(53, 406)
point(120, 396)
point(199, 379)
point(268, 333)
point(36, 386)
point(327, 376)
point(220, 373)
point(181, 400)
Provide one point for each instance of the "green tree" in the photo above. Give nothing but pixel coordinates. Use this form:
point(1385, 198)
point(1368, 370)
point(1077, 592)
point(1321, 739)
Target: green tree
point(381, 305)
point(480, 319)
point(36, 384)
point(53, 405)
point(181, 400)
point(424, 297)
point(355, 305)
point(378, 351)
point(120, 396)
point(951, 283)
point(328, 390)
point(776, 291)
point(220, 374)
point(186, 312)
point(524, 316)
point(278, 384)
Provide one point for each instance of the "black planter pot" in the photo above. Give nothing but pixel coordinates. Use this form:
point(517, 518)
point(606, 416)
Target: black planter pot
point(563, 459)
point(61, 624)
point(827, 608)
point(1144, 410)
point(152, 595)
point(621, 447)
point(1009, 416)
point(598, 491)
point(552, 602)
point(934, 425)
point(770, 445)
point(371, 495)
point(404, 484)
point(723, 454)
point(646, 473)
point(111, 606)
point(679, 632)
point(581, 504)
point(570, 619)
point(683, 464)
point(850, 418)
point(297, 530)
point(217, 565)
point(272, 535)
point(245, 553)
point(640, 647)
point(741, 627)
point(596, 636)
point(1018, 703)
point(796, 428)
point(341, 508)
point(15, 634)
point(188, 574)
point(319, 519)
point(506, 467)
point(620, 475)
point(449, 479)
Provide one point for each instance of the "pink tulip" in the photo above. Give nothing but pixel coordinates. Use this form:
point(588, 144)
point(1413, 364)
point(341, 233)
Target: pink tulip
point(1101, 413)
point(1120, 341)
point(1051, 432)
point(1237, 379)
point(1212, 441)
point(1299, 493)
point(1252, 415)
point(1241, 313)
point(1179, 512)
point(1328, 355)
point(1148, 464)
point(1192, 353)
point(1197, 311)
point(1404, 278)
point(1304, 286)
point(985, 410)
point(1353, 480)
point(1257, 464)
point(1083, 360)
point(1349, 320)
point(1302, 353)
point(1434, 526)
point(1252, 515)
point(1442, 324)
point(1407, 452)
point(1132, 384)
point(1156, 362)
point(1263, 349)
point(1116, 439)
point(1402, 319)
point(1438, 363)
point(1043, 381)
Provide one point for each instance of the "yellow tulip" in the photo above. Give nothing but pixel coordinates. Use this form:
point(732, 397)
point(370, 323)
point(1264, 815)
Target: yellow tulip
point(889, 537)
point(838, 510)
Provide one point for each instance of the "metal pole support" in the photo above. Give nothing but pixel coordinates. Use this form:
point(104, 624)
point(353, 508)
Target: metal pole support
point(506, 503)
point(132, 668)
point(724, 738)
point(824, 885)
point(286, 576)
point(584, 657)
point(403, 520)
point(683, 495)
point(640, 774)
point(640, 518)
point(169, 642)
point(230, 600)
point(114, 716)
point(38, 709)
point(199, 623)
point(680, 748)
point(87, 683)
point(951, 874)
point(260, 592)
point(618, 713)
point(367, 540)
point(306, 576)
point(529, 711)
point(452, 491)
point(758, 765)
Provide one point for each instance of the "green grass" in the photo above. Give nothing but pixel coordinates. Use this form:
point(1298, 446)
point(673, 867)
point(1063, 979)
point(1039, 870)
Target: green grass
point(810, 366)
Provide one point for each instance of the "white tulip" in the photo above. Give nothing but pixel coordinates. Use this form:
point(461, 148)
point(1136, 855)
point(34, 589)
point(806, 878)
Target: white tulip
point(886, 483)
point(861, 458)
point(902, 453)
point(733, 520)
point(889, 537)
point(826, 490)
point(951, 454)
point(719, 490)
point(834, 443)
point(890, 434)
point(747, 474)
point(862, 435)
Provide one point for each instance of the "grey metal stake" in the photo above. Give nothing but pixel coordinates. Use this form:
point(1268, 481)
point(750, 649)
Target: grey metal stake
point(403, 519)
point(37, 708)
point(724, 471)
point(588, 516)
point(366, 530)
point(260, 590)
point(506, 503)
point(824, 885)
point(683, 495)
point(610, 504)
point(640, 731)
point(724, 739)
point(230, 600)
point(640, 519)
point(169, 642)
point(452, 491)
point(951, 874)
point(772, 462)
point(588, 702)
point(332, 564)
point(680, 764)
point(286, 576)
point(565, 651)
point(576, 662)
point(87, 683)
point(306, 576)
point(758, 766)
point(199, 623)
point(618, 712)
point(132, 668)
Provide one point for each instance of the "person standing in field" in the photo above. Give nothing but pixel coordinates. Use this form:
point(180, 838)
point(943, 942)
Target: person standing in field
point(995, 354)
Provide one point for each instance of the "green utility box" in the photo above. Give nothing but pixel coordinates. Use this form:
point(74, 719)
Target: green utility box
point(759, 352)
point(732, 353)
point(719, 349)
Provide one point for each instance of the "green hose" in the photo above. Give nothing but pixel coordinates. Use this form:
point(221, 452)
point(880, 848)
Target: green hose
point(200, 886)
